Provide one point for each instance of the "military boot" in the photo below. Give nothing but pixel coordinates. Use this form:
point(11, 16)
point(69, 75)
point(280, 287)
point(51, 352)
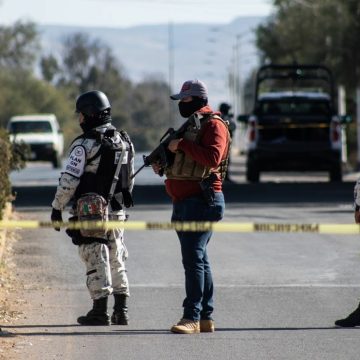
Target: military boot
point(98, 315)
point(120, 314)
point(351, 321)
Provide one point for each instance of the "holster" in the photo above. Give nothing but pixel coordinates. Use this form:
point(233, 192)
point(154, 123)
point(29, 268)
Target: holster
point(208, 189)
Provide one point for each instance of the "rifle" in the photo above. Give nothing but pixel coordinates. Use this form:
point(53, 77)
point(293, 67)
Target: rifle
point(161, 154)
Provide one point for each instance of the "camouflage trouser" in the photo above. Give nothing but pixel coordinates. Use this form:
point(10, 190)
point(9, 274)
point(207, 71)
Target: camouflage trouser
point(105, 265)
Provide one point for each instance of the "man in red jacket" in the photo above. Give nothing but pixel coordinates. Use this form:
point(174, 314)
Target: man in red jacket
point(194, 182)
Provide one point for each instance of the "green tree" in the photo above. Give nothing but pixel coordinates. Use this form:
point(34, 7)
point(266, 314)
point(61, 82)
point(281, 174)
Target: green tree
point(18, 45)
point(149, 113)
point(5, 188)
point(85, 64)
point(22, 93)
point(317, 31)
point(49, 67)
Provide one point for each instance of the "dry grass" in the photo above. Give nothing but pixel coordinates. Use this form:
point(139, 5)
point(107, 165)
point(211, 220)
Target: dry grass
point(10, 303)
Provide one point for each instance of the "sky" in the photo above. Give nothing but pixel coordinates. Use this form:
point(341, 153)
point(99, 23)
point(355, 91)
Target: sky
point(128, 13)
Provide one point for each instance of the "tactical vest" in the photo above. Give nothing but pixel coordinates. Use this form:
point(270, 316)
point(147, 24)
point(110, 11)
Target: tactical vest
point(185, 168)
point(109, 153)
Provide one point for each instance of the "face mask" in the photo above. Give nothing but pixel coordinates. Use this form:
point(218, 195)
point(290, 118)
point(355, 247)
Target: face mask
point(90, 123)
point(186, 109)
point(84, 127)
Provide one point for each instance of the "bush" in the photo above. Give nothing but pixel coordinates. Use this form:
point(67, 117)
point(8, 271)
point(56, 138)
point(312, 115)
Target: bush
point(13, 158)
point(5, 188)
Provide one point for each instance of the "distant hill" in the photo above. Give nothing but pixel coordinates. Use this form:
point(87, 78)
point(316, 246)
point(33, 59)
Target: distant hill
point(200, 51)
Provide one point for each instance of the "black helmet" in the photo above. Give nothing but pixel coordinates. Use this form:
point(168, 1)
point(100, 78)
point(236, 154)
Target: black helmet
point(92, 103)
point(224, 108)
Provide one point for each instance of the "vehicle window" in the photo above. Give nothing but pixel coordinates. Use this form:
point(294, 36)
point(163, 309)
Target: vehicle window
point(315, 108)
point(30, 127)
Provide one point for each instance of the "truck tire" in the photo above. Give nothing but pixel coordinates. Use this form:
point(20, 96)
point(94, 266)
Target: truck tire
point(252, 173)
point(335, 174)
point(56, 161)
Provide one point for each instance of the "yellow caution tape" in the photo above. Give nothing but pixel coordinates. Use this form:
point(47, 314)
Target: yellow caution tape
point(347, 229)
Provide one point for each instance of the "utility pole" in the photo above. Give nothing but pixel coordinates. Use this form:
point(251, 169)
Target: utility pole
point(237, 78)
point(342, 111)
point(358, 124)
point(171, 72)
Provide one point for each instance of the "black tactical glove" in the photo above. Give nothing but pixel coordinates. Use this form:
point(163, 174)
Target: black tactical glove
point(75, 235)
point(56, 216)
point(127, 198)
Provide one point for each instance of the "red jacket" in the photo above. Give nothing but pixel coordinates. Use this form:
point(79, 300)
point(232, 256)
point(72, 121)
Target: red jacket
point(211, 150)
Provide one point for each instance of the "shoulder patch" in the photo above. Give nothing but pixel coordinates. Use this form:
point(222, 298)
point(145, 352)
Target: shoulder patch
point(76, 161)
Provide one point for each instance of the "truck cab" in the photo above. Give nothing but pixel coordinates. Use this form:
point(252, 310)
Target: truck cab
point(294, 125)
point(43, 135)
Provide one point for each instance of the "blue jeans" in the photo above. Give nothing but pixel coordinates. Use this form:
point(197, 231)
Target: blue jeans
point(199, 287)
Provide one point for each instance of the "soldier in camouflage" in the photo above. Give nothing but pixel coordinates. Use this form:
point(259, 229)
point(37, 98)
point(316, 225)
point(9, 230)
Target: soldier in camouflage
point(104, 258)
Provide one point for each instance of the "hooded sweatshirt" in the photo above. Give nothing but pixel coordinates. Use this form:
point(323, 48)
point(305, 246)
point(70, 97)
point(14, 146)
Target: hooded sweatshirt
point(211, 150)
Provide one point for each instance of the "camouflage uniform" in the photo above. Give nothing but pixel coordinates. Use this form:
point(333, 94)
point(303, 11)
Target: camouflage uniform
point(105, 264)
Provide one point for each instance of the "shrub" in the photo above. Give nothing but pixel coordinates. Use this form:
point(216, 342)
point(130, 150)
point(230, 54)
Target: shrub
point(13, 158)
point(5, 188)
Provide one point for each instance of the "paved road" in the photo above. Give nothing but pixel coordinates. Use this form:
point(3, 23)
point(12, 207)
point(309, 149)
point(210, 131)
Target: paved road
point(38, 182)
point(277, 295)
point(42, 174)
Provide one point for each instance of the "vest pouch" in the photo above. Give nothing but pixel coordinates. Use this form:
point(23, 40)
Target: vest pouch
point(200, 171)
point(185, 167)
point(178, 163)
point(92, 207)
point(188, 166)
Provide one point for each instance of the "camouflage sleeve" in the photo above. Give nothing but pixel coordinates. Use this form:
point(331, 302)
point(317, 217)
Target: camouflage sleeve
point(70, 178)
point(126, 174)
point(357, 193)
point(65, 190)
point(131, 167)
point(128, 170)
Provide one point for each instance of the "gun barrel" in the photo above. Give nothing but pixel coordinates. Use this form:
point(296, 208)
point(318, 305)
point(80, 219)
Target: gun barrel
point(158, 155)
point(137, 171)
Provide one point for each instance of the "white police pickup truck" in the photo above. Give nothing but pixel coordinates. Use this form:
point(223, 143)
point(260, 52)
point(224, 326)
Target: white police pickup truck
point(42, 133)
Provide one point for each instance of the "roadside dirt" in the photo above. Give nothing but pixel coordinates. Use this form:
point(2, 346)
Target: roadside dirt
point(10, 302)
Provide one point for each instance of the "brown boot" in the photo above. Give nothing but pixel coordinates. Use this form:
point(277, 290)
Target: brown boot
point(186, 326)
point(207, 326)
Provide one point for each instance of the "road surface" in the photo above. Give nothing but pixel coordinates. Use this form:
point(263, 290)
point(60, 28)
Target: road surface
point(277, 295)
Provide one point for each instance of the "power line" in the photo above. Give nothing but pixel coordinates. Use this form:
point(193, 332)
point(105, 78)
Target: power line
point(216, 4)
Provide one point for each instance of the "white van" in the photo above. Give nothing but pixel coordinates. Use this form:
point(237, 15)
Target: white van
point(42, 133)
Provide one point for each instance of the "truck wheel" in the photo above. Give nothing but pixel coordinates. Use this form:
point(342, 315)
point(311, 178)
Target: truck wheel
point(335, 174)
point(56, 161)
point(252, 173)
